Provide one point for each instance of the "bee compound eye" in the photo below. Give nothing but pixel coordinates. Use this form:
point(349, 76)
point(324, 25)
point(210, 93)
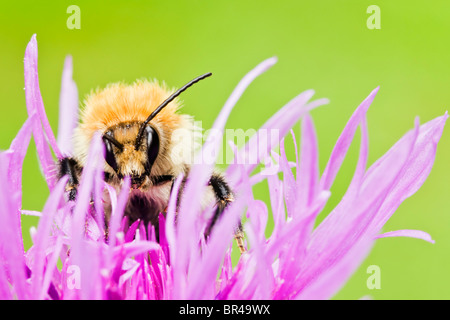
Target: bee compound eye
point(152, 146)
point(110, 156)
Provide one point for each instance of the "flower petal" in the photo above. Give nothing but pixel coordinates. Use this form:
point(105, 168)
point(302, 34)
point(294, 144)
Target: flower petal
point(80, 249)
point(117, 215)
point(308, 168)
point(199, 175)
point(11, 244)
point(400, 173)
point(418, 234)
point(41, 239)
point(416, 170)
point(17, 152)
point(345, 234)
point(344, 141)
point(68, 109)
point(35, 106)
point(289, 186)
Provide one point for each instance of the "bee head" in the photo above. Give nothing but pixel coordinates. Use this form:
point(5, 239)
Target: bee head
point(124, 158)
point(132, 148)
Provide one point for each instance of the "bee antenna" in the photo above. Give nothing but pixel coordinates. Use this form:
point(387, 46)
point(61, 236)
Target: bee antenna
point(165, 103)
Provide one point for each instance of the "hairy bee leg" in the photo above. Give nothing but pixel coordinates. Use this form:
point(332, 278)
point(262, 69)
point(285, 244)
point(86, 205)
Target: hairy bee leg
point(239, 236)
point(69, 166)
point(224, 196)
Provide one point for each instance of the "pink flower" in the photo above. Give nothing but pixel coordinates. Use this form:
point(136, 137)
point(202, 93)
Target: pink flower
point(297, 260)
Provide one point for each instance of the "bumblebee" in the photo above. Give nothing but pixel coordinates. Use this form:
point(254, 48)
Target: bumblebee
point(137, 123)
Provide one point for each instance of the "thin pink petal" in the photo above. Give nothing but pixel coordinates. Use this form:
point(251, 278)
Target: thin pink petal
point(5, 290)
point(80, 249)
point(51, 266)
point(289, 186)
point(308, 168)
point(117, 215)
point(418, 234)
point(17, 152)
point(170, 219)
point(11, 244)
point(344, 141)
point(209, 265)
point(200, 173)
point(42, 237)
point(68, 109)
point(393, 164)
point(31, 213)
point(327, 284)
point(42, 131)
point(417, 169)
point(339, 235)
point(32, 84)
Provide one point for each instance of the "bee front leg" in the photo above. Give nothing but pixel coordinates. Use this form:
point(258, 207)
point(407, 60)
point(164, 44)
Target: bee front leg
point(224, 197)
point(69, 166)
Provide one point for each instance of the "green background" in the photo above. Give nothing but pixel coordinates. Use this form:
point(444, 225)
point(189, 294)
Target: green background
point(323, 45)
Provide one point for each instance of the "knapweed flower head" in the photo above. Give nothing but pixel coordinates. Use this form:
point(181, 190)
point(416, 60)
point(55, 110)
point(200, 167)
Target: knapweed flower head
point(72, 259)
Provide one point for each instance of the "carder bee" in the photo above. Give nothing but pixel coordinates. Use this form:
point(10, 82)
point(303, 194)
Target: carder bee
point(137, 122)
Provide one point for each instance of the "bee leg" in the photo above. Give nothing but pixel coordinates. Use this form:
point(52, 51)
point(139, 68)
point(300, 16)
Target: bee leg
point(69, 166)
point(224, 196)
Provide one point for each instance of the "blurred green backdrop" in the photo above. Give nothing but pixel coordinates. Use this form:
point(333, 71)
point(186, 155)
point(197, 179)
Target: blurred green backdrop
point(323, 45)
